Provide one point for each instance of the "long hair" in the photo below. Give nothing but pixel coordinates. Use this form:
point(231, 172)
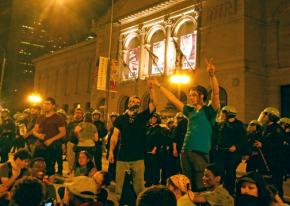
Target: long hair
point(90, 165)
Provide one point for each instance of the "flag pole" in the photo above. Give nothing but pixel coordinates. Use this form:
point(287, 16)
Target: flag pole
point(109, 64)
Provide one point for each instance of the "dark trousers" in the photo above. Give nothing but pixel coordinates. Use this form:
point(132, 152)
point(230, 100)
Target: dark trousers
point(230, 162)
point(152, 170)
point(5, 147)
point(256, 163)
point(193, 164)
point(98, 155)
point(49, 155)
point(167, 165)
point(59, 161)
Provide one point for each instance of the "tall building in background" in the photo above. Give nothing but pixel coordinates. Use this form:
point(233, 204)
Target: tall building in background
point(5, 16)
point(33, 28)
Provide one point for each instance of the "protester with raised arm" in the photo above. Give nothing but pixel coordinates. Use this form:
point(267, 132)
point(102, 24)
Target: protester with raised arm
point(130, 127)
point(197, 142)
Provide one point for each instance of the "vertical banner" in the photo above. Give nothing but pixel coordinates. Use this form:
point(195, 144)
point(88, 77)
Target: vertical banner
point(114, 75)
point(188, 48)
point(159, 51)
point(102, 73)
point(133, 62)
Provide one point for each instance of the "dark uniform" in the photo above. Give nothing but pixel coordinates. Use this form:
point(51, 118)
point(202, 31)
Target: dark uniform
point(166, 158)
point(255, 161)
point(152, 166)
point(229, 134)
point(179, 135)
point(102, 132)
point(272, 147)
point(7, 137)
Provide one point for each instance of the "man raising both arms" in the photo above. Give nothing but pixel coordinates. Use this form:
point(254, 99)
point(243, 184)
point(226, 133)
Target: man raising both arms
point(197, 142)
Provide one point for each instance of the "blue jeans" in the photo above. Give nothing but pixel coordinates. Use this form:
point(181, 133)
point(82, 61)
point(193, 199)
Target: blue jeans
point(137, 168)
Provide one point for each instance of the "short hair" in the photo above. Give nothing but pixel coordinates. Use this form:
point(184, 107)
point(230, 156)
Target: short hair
point(51, 100)
point(217, 170)
point(88, 117)
point(157, 195)
point(32, 162)
point(133, 97)
point(107, 178)
point(79, 109)
point(200, 90)
point(22, 154)
point(28, 191)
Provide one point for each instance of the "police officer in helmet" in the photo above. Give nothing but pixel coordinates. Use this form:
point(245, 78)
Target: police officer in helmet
point(271, 145)
point(231, 144)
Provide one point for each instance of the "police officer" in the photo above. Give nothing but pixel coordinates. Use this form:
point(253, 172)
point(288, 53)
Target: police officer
point(285, 124)
point(231, 145)
point(179, 135)
point(272, 145)
point(152, 148)
point(254, 160)
point(102, 132)
point(112, 166)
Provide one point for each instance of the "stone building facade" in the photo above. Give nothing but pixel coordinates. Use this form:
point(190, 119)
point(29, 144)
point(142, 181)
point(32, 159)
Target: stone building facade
point(248, 40)
point(67, 75)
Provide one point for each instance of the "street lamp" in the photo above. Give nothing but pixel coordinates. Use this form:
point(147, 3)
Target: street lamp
point(34, 98)
point(179, 78)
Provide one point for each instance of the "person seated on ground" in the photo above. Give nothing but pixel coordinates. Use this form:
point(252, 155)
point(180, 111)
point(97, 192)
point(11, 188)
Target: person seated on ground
point(84, 165)
point(216, 194)
point(252, 190)
point(28, 191)
point(38, 170)
point(157, 195)
point(100, 179)
point(12, 170)
point(180, 185)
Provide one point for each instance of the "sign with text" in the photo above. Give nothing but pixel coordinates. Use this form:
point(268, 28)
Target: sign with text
point(133, 59)
point(114, 75)
point(102, 73)
point(188, 48)
point(159, 52)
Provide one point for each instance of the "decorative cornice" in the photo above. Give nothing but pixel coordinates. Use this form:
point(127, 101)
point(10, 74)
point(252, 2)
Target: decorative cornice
point(149, 11)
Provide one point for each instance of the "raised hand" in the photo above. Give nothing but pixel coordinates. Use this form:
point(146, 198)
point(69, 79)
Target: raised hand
point(150, 83)
point(210, 66)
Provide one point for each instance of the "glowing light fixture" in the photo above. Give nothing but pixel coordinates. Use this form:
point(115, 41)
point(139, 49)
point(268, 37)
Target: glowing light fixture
point(34, 99)
point(179, 78)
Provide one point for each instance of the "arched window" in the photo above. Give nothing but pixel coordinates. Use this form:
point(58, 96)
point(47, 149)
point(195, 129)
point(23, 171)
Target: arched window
point(123, 104)
point(223, 97)
point(156, 50)
point(184, 44)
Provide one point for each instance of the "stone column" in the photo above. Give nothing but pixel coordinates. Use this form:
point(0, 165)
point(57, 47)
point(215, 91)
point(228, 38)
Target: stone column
point(142, 65)
point(168, 27)
point(120, 57)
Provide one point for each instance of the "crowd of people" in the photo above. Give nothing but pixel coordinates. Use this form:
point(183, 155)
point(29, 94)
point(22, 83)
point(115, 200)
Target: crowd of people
point(190, 159)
